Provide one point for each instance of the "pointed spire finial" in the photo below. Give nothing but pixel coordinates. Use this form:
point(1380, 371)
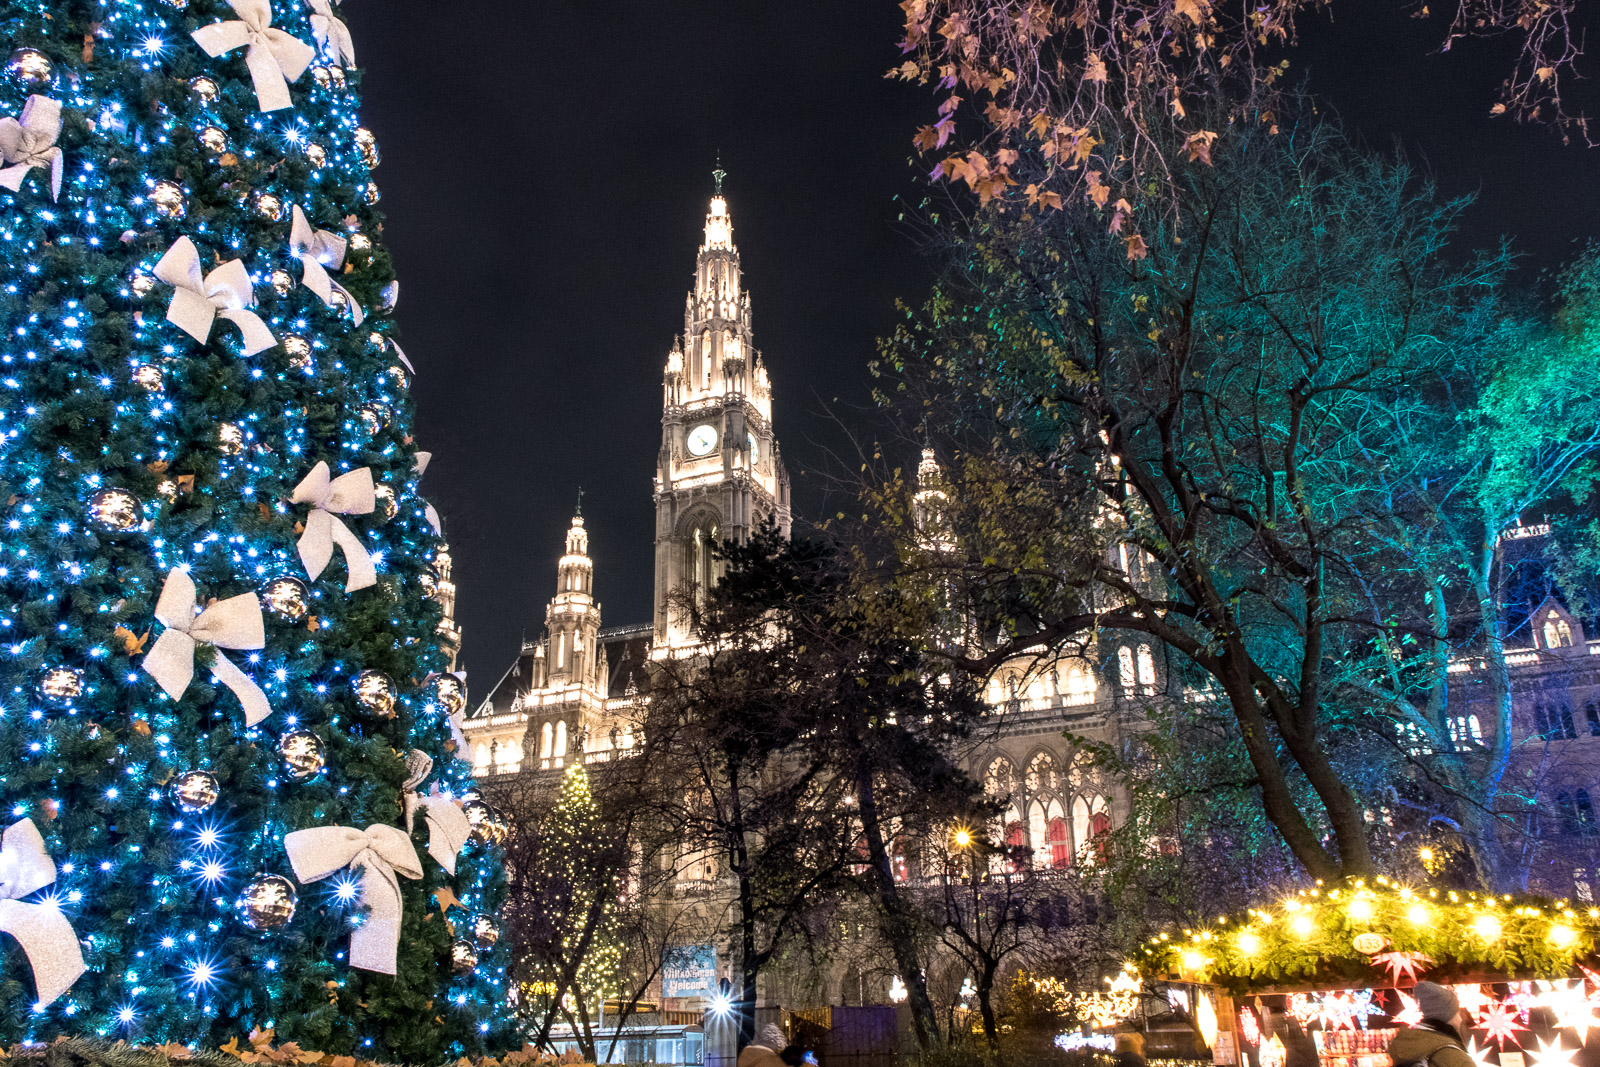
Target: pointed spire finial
point(580, 501)
point(718, 174)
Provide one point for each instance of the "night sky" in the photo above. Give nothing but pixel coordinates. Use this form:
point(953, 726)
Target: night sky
point(546, 168)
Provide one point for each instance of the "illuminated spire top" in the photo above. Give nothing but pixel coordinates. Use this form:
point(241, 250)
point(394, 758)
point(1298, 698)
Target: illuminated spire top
point(717, 176)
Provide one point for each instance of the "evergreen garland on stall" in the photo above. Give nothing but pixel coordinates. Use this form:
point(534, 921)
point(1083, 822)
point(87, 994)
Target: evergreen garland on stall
point(192, 322)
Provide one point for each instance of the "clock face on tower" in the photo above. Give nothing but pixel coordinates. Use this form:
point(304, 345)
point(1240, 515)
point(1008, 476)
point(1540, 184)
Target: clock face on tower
point(755, 449)
point(702, 439)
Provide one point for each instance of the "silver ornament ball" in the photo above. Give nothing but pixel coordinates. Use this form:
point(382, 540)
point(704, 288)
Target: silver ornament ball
point(303, 754)
point(195, 791)
point(287, 598)
point(115, 510)
point(375, 693)
point(267, 902)
point(61, 684)
point(31, 67)
point(463, 956)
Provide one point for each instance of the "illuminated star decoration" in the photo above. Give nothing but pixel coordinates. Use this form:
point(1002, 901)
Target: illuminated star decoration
point(1500, 1023)
point(1551, 1055)
point(1400, 965)
point(1409, 1014)
point(1480, 1053)
point(1472, 998)
point(1342, 1011)
point(1249, 1027)
point(1571, 1008)
point(1300, 1008)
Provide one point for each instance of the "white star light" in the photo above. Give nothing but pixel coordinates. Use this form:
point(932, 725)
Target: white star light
point(1572, 1009)
point(1551, 1055)
point(1480, 1053)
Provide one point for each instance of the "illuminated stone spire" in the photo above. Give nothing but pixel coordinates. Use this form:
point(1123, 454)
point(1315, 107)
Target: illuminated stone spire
point(719, 474)
point(573, 618)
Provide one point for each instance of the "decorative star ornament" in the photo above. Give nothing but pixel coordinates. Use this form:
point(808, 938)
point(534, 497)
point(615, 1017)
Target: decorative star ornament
point(1500, 1023)
point(1552, 1054)
point(1472, 998)
point(1409, 1014)
point(1408, 965)
point(1571, 1008)
point(1480, 1053)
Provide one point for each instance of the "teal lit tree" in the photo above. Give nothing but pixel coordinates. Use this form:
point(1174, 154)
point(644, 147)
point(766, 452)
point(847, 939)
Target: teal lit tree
point(225, 741)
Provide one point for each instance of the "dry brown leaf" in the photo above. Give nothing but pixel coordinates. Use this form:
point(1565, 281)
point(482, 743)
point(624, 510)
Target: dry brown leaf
point(447, 899)
point(132, 643)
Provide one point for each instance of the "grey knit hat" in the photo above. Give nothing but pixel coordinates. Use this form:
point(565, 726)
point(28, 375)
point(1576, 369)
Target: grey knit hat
point(771, 1036)
point(1436, 1001)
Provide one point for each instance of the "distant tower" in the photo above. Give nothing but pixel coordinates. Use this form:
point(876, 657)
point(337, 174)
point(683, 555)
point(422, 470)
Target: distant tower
point(572, 621)
point(720, 474)
point(449, 629)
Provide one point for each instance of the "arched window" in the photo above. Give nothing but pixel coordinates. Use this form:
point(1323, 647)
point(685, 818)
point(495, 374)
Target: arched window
point(1125, 667)
point(1091, 817)
point(702, 562)
point(561, 739)
point(1042, 773)
point(997, 780)
point(1038, 832)
point(1060, 845)
point(546, 740)
point(899, 863)
point(1016, 844)
point(481, 755)
point(1147, 666)
point(1557, 633)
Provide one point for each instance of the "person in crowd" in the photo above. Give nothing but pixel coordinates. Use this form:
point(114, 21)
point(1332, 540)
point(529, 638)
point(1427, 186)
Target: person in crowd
point(764, 1050)
point(1130, 1049)
point(1436, 1040)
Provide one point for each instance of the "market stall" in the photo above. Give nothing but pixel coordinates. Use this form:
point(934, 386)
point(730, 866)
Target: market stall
point(1330, 973)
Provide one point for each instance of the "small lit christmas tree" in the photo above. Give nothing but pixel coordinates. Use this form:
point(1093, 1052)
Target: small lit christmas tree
point(222, 708)
point(582, 879)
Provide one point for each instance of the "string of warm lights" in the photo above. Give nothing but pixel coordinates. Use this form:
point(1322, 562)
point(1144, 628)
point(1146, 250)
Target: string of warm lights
point(1362, 932)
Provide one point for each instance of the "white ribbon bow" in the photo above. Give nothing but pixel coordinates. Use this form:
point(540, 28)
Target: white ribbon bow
point(431, 512)
point(351, 493)
point(317, 250)
point(32, 143)
point(332, 35)
point(380, 853)
point(232, 623)
point(197, 301)
point(46, 935)
point(448, 825)
point(275, 58)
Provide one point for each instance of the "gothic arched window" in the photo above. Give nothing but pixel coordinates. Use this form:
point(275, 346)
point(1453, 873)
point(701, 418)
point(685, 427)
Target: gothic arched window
point(702, 560)
point(561, 739)
point(546, 739)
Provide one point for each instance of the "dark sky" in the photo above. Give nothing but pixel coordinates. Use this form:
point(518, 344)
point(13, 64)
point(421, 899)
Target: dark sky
point(546, 170)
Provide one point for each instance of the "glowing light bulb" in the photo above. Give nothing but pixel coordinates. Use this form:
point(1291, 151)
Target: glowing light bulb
point(1249, 943)
point(1361, 909)
point(1193, 961)
point(1487, 927)
point(1562, 935)
point(962, 838)
point(1418, 915)
point(1301, 925)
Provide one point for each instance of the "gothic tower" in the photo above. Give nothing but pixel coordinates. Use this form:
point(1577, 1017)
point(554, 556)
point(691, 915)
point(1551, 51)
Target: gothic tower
point(719, 475)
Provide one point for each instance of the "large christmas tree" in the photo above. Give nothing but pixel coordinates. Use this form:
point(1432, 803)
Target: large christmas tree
point(223, 705)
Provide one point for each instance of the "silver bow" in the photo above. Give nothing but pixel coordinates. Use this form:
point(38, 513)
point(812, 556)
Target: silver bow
point(379, 853)
point(351, 493)
point(275, 58)
point(332, 35)
point(317, 250)
point(32, 143)
point(197, 301)
point(448, 826)
point(46, 935)
point(232, 623)
point(431, 512)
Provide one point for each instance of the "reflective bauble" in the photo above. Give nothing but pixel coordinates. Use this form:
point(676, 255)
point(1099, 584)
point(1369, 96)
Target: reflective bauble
point(204, 88)
point(320, 75)
point(148, 376)
point(337, 301)
point(167, 490)
point(386, 508)
point(267, 902)
point(195, 791)
point(31, 67)
point(479, 818)
point(298, 349)
point(448, 691)
point(336, 76)
point(367, 144)
point(141, 284)
point(485, 931)
point(398, 379)
point(429, 584)
point(316, 155)
point(389, 295)
point(61, 684)
point(169, 200)
point(287, 598)
point(282, 282)
point(115, 510)
point(373, 416)
point(214, 140)
point(269, 206)
point(370, 194)
point(303, 754)
point(360, 242)
point(375, 693)
point(463, 956)
point(230, 439)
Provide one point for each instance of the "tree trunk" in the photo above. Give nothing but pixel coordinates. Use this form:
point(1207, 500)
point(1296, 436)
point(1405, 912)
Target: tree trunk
point(899, 927)
point(749, 963)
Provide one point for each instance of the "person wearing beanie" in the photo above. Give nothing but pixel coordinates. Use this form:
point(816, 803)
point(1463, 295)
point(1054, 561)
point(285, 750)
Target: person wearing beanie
point(1436, 1040)
point(764, 1050)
